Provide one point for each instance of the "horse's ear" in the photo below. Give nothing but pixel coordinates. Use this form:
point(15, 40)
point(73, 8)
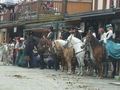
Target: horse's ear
point(43, 37)
point(89, 31)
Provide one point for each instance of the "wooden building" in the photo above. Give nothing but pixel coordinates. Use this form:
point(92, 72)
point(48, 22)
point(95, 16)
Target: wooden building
point(103, 12)
point(37, 13)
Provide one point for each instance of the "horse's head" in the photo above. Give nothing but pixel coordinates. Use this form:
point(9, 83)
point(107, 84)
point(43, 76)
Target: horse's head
point(88, 37)
point(69, 40)
point(44, 44)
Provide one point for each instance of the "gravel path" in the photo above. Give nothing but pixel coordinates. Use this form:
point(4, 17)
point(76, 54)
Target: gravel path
point(17, 78)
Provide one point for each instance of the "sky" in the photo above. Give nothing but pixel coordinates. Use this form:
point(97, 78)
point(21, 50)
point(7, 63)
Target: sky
point(14, 1)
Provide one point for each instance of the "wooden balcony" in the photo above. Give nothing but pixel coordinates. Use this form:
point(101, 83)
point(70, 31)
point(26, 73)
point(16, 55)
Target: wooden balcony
point(118, 4)
point(39, 10)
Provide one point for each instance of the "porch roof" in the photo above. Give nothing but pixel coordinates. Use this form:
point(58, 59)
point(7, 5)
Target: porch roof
point(96, 13)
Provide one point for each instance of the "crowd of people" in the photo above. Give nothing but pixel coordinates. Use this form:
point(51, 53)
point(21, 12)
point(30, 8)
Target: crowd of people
point(25, 50)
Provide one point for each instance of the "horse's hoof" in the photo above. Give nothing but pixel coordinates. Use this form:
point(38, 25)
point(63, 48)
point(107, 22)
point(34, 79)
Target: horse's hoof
point(69, 73)
point(78, 74)
point(81, 74)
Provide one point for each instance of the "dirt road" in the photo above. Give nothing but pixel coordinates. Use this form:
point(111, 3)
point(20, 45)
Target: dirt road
point(16, 78)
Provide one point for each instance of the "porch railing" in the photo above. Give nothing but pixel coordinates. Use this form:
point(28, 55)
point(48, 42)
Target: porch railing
point(118, 4)
point(34, 10)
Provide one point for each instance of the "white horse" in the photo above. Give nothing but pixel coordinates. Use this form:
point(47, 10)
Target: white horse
point(6, 54)
point(77, 44)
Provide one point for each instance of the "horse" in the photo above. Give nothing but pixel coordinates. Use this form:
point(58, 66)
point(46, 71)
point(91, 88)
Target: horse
point(58, 51)
point(45, 48)
point(6, 54)
point(78, 46)
point(97, 53)
point(65, 54)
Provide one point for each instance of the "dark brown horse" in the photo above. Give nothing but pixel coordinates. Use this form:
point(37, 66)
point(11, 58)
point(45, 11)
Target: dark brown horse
point(97, 52)
point(45, 48)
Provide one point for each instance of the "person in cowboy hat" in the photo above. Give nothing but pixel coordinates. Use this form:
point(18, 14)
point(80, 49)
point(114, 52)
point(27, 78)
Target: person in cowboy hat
point(109, 34)
point(102, 33)
point(92, 30)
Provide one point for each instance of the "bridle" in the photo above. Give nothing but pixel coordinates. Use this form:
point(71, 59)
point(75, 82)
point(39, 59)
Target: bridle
point(69, 41)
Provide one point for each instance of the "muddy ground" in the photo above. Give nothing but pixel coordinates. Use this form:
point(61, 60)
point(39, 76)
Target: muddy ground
point(17, 78)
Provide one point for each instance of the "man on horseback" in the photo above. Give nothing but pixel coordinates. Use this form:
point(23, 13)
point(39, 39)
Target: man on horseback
point(50, 35)
point(92, 30)
point(102, 34)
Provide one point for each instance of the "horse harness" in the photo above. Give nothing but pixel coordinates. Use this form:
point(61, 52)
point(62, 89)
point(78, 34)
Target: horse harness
point(75, 44)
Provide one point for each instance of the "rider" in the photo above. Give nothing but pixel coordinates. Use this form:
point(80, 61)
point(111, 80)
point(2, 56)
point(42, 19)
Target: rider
point(102, 34)
point(109, 34)
point(78, 34)
point(50, 35)
point(92, 30)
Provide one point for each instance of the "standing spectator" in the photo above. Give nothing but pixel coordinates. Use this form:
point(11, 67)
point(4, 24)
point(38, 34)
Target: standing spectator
point(48, 5)
point(15, 12)
point(21, 61)
point(16, 49)
point(29, 50)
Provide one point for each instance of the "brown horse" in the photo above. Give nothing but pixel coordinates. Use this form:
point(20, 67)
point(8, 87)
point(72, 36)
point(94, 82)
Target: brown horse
point(97, 52)
point(47, 48)
point(65, 54)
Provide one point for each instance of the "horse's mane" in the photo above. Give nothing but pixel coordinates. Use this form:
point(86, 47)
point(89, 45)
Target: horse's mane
point(94, 40)
point(74, 38)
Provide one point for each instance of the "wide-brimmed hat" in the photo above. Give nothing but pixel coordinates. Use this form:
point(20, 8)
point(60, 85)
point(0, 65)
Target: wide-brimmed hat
point(108, 26)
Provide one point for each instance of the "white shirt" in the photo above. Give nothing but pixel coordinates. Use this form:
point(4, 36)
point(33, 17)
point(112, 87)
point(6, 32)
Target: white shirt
point(103, 36)
point(17, 45)
point(109, 34)
point(22, 46)
point(94, 34)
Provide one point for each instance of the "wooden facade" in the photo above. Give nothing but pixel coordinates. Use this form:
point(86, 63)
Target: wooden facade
point(34, 12)
point(78, 7)
point(31, 9)
point(105, 4)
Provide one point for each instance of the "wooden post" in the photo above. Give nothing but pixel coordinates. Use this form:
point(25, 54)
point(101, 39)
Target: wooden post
point(38, 6)
point(57, 29)
point(64, 7)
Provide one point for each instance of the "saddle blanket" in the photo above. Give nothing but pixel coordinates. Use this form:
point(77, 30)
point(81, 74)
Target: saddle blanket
point(113, 49)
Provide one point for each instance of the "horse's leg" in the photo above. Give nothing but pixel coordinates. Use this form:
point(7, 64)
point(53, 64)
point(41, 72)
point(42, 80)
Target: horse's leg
point(114, 68)
point(62, 64)
point(105, 69)
point(102, 74)
point(56, 63)
point(74, 64)
point(81, 64)
point(100, 69)
point(79, 68)
point(69, 66)
point(42, 63)
point(97, 69)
